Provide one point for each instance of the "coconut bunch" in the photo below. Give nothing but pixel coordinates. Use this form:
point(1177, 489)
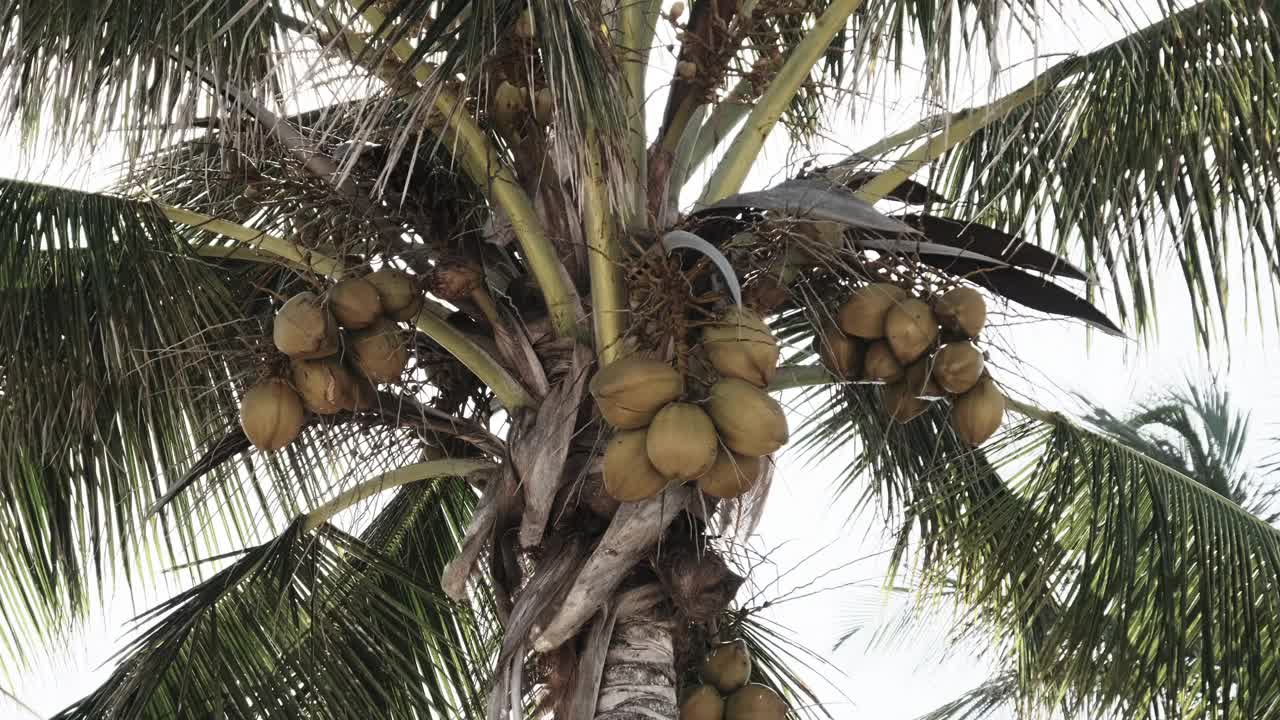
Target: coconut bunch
point(357, 313)
point(720, 442)
point(725, 692)
point(920, 351)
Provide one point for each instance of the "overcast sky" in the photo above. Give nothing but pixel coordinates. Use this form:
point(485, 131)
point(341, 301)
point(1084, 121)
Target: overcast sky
point(812, 538)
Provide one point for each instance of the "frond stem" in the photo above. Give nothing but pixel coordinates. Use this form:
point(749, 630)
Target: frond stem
point(608, 300)
point(639, 21)
point(393, 479)
point(708, 136)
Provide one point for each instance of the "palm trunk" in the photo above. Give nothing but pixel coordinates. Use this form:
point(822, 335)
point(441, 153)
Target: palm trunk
point(639, 680)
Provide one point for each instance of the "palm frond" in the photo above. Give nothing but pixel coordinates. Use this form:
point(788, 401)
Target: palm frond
point(983, 701)
point(1079, 168)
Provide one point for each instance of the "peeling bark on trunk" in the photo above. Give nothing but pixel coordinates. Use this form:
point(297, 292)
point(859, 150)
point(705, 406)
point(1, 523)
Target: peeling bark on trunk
point(639, 681)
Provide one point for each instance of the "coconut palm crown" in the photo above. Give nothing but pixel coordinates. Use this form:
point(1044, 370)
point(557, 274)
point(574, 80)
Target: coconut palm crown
point(419, 517)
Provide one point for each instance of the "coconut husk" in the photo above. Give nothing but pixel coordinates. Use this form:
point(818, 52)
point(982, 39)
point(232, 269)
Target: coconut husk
point(957, 367)
point(325, 386)
point(910, 328)
point(630, 391)
point(977, 414)
point(304, 328)
point(730, 475)
point(271, 414)
point(880, 364)
point(750, 422)
point(682, 441)
point(628, 474)
point(727, 666)
point(962, 311)
point(696, 579)
point(701, 703)
point(740, 345)
point(863, 314)
point(355, 303)
point(919, 381)
point(901, 404)
point(455, 279)
point(397, 289)
point(380, 352)
point(837, 352)
point(755, 702)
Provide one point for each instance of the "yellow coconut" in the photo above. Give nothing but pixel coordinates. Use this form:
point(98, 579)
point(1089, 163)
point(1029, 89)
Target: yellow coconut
point(408, 313)
point(682, 441)
point(326, 387)
point(880, 365)
point(750, 422)
point(741, 345)
point(687, 70)
point(837, 352)
point(755, 702)
point(304, 328)
point(628, 474)
point(962, 310)
point(397, 290)
point(730, 475)
point(910, 328)
point(957, 367)
point(509, 104)
point(727, 666)
point(702, 703)
point(863, 314)
point(919, 381)
point(271, 414)
point(524, 25)
point(355, 303)
point(379, 351)
point(901, 404)
point(977, 414)
point(632, 390)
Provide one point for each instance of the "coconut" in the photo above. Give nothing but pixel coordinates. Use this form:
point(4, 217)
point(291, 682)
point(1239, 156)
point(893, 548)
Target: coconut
point(408, 313)
point(839, 353)
point(355, 303)
point(396, 289)
point(977, 414)
point(682, 441)
point(919, 381)
point(880, 364)
point(727, 666)
point(957, 367)
point(901, 404)
point(366, 394)
point(962, 311)
point(509, 103)
point(628, 474)
point(379, 351)
point(750, 422)
point(686, 70)
point(910, 328)
point(544, 106)
point(740, 345)
point(524, 25)
point(731, 475)
point(304, 328)
point(702, 703)
point(326, 387)
point(271, 414)
point(632, 390)
point(755, 702)
point(863, 314)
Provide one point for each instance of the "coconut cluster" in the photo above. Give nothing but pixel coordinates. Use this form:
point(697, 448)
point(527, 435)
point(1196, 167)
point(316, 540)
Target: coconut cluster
point(719, 442)
point(920, 351)
point(726, 692)
point(359, 314)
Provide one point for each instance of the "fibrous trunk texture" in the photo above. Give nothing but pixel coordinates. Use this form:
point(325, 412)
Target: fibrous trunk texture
point(639, 681)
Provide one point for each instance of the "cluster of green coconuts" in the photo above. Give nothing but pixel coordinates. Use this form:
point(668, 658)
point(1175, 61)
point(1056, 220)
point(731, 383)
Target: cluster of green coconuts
point(921, 351)
point(720, 440)
point(341, 345)
point(726, 693)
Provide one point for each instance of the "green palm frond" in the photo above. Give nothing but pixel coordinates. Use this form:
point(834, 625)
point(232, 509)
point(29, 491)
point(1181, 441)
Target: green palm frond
point(1082, 167)
point(1124, 586)
point(997, 693)
point(319, 625)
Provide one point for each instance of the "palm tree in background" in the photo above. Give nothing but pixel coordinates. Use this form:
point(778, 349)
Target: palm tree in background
point(497, 151)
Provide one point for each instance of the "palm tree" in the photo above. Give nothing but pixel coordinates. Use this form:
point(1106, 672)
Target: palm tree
point(446, 546)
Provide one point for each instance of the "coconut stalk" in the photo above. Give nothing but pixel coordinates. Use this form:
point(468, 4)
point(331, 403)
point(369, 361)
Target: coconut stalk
point(508, 390)
point(392, 479)
point(741, 156)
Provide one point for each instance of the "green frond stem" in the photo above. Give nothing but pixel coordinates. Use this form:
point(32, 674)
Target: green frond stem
point(639, 21)
point(707, 136)
point(386, 481)
point(508, 390)
point(928, 126)
point(790, 377)
point(741, 156)
point(480, 160)
point(608, 302)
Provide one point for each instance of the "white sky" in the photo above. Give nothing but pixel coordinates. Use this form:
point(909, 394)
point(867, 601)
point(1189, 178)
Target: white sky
point(810, 536)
